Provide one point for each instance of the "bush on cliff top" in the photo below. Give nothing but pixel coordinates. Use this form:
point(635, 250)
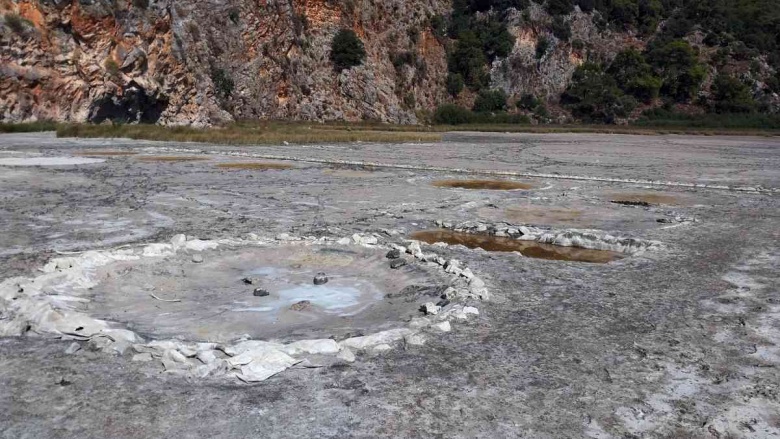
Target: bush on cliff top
point(347, 50)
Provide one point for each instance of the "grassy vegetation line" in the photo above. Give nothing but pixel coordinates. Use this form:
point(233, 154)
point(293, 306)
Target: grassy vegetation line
point(28, 127)
point(249, 133)
point(253, 134)
point(644, 129)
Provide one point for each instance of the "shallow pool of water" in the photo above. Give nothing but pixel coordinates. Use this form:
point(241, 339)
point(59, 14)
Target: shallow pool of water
point(48, 161)
point(495, 185)
point(529, 249)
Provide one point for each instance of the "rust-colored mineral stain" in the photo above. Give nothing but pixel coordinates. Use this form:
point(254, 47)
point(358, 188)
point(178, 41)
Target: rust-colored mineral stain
point(493, 185)
point(104, 153)
point(541, 215)
point(171, 158)
point(644, 198)
point(529, 249)
point(256, 166)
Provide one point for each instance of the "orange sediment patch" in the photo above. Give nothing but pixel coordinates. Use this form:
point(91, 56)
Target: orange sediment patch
point(103, 153)
point(171, 158)
point(258, 166)
point(496, 185)
point(541, 215)
point(529, 249)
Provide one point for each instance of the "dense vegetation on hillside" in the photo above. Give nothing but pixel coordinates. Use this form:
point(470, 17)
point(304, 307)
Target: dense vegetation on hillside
point(693, 51)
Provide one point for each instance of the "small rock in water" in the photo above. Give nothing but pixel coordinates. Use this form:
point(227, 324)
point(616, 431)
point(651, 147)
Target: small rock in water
point(398, 263)
point(62, 381)
point(320, 279)
point(73, 348)
point(251, 280)
point(430, 309)
point(259, 292)
point(301, 306)
point(394, 254)
point(197, 259)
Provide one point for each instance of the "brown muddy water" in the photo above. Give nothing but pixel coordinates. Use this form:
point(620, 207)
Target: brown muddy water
point(257, 166)
point(529, 249)
point(171, 158)
point(104, 153)
point(493, 185)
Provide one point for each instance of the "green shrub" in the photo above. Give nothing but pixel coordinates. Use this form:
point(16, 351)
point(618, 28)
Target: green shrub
point(469, 60)
point(731, 95)
point(403, 58)
point(528, 102)
point(480, 38)
point(438, 26)
point(223, 83)
point(593, 96)
point(541, 112)
point(112, 68)
point(678, 64)
point(454, 84)
point(561, 29)
point(586, 5)
point(559, 7)
point(234, 15)
point(624, 13)
point(634, 75)
point(660, 117)
point(496, 40)
point(347, 50)
point(490, 100)
point(16, 23)
point(649, 14)
point(542, 44)
point(450, 114)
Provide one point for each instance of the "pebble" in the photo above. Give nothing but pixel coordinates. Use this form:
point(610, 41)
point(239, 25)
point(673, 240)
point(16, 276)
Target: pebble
point(301, 306)
point(251, 280)
point(394, 254)
point(197, 259)
point(320, 279)
point(397, 263)
point(259, 292)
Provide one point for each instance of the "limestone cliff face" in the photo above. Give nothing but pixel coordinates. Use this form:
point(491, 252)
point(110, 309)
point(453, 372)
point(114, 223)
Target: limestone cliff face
point(203, 62)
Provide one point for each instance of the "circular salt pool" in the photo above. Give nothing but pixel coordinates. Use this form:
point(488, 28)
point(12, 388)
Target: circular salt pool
point(214, 300)
point(48, 161)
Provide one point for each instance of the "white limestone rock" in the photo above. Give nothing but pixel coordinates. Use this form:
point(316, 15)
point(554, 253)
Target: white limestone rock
point(430, 309)
point(263, 364)
point(442, 326)
point(178, 241)
point(322, 346)
point(414, 340)
point(367, 341)
point(144, 357)
point(346, 355)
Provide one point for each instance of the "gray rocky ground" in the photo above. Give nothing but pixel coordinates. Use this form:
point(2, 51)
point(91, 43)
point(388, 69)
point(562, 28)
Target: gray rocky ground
point(678, 342)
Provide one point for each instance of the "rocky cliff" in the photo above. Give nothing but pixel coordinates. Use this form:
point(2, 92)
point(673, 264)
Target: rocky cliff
point(203, 62)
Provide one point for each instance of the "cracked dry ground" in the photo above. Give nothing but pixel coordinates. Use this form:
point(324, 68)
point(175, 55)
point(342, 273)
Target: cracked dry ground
point(682, 342)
